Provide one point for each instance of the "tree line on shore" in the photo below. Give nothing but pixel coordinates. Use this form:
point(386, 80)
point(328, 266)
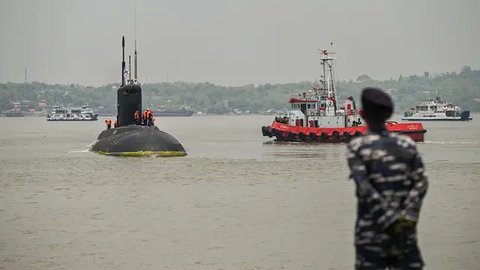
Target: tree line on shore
point(462, 89)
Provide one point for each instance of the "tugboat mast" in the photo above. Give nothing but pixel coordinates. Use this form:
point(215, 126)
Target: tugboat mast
point(327, 66)
point(328, 76)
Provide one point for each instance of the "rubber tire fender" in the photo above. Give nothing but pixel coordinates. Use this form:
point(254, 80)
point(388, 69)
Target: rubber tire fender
point(323, 136)
point(265, 131)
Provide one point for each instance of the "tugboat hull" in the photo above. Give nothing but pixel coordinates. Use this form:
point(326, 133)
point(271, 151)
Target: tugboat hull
point(283, 132)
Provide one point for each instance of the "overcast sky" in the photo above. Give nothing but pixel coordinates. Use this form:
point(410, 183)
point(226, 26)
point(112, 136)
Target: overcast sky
point(234, 42)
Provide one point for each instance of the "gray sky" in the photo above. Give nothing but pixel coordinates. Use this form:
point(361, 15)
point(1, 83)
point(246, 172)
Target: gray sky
point(234, 42)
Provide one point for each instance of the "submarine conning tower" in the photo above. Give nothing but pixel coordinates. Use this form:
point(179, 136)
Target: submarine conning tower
point(131, 138)
point(129, 95)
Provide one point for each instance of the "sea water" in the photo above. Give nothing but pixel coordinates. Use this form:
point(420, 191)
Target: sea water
point(237, 201)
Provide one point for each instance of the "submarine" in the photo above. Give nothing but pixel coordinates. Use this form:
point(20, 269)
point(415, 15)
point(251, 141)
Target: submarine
point(131, 138)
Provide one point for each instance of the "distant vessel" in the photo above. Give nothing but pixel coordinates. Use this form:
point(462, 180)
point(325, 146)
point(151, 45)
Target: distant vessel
point(13, 113)
point(172, 112)
point(316, 116)
point(84, 113)
point(436, 110)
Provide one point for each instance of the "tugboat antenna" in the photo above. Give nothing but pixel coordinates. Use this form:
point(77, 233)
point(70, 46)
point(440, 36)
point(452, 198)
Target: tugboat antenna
point(123, 60)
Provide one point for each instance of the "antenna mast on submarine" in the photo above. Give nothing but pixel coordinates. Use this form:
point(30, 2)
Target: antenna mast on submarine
point(129, 69)
point(135, 33)
point(135, 60)
point(123, 60)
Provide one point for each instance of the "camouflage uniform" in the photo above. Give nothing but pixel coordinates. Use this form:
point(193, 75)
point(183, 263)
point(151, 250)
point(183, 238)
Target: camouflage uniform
point(390, 182)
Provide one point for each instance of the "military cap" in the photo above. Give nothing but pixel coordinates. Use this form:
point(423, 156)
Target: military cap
point(376, 104)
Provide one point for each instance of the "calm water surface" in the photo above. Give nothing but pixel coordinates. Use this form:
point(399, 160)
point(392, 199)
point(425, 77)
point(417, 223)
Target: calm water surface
point(237, 201)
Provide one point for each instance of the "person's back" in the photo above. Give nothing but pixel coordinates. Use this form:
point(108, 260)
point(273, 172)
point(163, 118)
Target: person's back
point(388, 173)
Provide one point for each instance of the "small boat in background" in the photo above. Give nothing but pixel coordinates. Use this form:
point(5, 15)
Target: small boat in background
point(14, 113)
point(84, 113)
point(172, 112)
point(316, 115)
point(436, 110)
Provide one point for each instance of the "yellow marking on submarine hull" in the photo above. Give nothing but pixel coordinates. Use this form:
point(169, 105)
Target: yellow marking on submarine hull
point(144, 153)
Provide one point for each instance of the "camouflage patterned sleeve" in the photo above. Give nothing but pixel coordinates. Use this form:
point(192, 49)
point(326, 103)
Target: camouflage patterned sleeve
point(414, 200)
point(358, 172)
point(358, 169)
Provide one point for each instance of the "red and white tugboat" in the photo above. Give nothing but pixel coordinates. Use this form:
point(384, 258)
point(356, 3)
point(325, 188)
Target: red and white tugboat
point(317, 117)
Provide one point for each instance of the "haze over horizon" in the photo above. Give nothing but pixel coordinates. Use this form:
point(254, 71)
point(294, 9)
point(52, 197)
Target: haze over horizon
point(234, 42)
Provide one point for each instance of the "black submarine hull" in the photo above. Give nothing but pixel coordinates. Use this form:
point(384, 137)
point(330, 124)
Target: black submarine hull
point(135, 140)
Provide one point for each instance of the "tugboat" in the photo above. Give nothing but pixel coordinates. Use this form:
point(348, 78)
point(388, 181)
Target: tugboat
point(84, 113)
point(131, 138)
point(436, 110)
point(317, 117)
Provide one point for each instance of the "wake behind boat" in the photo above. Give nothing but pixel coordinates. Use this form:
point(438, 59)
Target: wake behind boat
point(316, 116)
point(84, 113)
point(436, 110)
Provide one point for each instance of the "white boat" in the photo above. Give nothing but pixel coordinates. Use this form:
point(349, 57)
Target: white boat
point(84, 113)
point(436, 110)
